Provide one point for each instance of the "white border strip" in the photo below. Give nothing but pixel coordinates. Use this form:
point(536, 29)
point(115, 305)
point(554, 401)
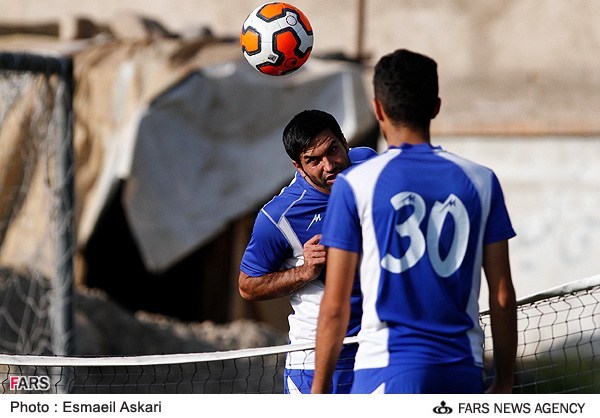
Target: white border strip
point(153, 360)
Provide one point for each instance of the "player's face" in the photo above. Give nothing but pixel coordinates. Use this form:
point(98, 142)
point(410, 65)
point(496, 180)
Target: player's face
point(324, 160)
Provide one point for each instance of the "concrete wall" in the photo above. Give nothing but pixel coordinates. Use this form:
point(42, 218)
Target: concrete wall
point(552, 190)
point(506, 66)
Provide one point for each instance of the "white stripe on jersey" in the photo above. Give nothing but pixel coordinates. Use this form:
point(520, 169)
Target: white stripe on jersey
point(297, 248)
point(361, 179)
point(482, 180)
point(288, 232)
point(305, 302)
point(303, 324)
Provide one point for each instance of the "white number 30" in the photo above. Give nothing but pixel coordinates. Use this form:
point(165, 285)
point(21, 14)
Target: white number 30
point(454, 207)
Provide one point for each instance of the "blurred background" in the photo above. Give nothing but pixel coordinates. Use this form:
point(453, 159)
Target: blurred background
point(177, 139)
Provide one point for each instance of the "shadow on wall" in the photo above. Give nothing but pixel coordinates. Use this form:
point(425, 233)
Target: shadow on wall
point(202, 286)
point(195, 289)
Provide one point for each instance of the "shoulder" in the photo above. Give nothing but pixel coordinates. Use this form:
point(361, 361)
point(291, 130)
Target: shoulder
point(290, 200)
point(371, 166)
point(482, 177)
point(360, 154)
point(278, 205)
point(465, 164)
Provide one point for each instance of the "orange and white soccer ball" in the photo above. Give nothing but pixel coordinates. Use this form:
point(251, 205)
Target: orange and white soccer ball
point(276, 38)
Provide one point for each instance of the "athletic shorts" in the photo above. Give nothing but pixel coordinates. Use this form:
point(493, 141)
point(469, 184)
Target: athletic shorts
point(298, 381)
point(444, 378)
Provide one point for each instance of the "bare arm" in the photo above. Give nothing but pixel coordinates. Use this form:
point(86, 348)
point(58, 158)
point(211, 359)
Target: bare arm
point(503, 314)
point(334, 314)
point(283, 283)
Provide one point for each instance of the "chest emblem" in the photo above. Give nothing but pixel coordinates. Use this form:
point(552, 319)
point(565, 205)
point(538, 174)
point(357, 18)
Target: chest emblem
point(316, 218)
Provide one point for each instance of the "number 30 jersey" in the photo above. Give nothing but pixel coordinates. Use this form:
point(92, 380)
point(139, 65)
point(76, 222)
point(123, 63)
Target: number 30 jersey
point(420, 217)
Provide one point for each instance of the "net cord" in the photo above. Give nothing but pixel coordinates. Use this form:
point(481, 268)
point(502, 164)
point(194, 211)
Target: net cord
point(16, 360)
point(580, 285)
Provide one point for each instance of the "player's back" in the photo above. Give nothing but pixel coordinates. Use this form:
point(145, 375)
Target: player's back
point(423, 226)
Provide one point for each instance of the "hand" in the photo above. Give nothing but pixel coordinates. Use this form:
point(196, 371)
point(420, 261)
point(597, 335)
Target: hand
point(315, 255)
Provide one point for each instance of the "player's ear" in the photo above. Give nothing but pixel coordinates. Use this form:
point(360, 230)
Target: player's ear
point(377, 109)
point(436, 110)
point(345, 143)
point(298, 167)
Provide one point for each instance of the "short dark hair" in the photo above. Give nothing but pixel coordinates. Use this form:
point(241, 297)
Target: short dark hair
point(406, 85)
point(301, 131)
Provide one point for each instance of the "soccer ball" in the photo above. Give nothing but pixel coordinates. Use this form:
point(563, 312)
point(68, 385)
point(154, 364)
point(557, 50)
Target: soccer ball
point(276, 38)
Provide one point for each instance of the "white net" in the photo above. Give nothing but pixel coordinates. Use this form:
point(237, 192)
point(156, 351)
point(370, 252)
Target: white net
point(559, 340)
point(36, 170)
point(557, 353)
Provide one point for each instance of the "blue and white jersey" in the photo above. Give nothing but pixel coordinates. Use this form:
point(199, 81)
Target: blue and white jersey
point(281, 229)
point(419, 216)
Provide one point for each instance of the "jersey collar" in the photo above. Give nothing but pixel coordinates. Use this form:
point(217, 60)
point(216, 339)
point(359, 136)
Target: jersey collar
point(417, 147)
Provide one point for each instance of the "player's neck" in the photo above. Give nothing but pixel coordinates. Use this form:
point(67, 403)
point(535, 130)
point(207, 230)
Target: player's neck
point(406, 135)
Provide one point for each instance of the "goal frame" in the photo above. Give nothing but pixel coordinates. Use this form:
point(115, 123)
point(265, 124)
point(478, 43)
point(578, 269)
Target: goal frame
point(61, 305)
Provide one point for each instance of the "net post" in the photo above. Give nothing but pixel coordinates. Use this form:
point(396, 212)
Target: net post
point(61, 323)
point(62, 304)
point(63, 329)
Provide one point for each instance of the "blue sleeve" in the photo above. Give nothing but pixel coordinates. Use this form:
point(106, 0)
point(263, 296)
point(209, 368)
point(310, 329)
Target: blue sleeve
point(342, 228)
point(498, 226)
point(267, 249)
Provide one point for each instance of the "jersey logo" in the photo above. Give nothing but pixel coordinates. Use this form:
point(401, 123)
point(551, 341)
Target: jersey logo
point(316, 218)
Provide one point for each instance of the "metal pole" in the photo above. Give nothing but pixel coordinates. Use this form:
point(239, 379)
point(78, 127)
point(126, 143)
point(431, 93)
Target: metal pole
point(63, 301)
point(360, 32)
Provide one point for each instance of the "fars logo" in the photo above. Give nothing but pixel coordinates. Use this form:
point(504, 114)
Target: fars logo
point(29, 382)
